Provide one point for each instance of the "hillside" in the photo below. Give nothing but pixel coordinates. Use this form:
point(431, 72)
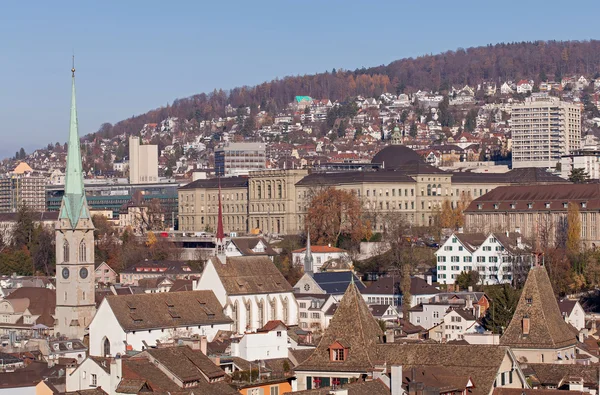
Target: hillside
point(532, 60)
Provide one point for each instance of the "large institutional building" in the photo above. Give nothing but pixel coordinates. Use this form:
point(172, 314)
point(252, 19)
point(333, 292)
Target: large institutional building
point(543, 129)
point(235, 159)
point(537, 212)
point(277, 201)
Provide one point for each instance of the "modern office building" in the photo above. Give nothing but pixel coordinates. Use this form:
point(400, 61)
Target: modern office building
point(544, 128)
point(143, 162)
point(234, 159)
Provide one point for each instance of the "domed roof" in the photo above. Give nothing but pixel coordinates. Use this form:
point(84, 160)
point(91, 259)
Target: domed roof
point(394, 156)
point(396, 129)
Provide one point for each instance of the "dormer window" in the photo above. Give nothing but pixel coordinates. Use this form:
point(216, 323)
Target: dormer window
point(479, 206)
point(338, 352)
point(547, 205)
point(583, 204)
point(565, 205)
point(529, 205)
point(526, 325)
point(496, 206)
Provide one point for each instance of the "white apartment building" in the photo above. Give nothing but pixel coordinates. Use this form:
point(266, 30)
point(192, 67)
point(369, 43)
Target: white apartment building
point(544, 128)
point(143, 162)
point(493, 256)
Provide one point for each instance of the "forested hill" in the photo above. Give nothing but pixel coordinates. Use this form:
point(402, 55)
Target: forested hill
point(533, 60)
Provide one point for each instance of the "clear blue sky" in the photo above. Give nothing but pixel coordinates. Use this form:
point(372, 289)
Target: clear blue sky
point(133, 56)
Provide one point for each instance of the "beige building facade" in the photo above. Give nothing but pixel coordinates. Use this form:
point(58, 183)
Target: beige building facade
point(199, 205)
point(143, 162)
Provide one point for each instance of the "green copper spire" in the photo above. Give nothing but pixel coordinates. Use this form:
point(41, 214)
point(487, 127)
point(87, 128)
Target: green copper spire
point(74, 202)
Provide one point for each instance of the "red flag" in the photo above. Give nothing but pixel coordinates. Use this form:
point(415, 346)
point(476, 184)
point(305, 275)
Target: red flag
point(220, 233)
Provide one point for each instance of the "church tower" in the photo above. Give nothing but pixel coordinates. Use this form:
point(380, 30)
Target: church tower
point(74, 236)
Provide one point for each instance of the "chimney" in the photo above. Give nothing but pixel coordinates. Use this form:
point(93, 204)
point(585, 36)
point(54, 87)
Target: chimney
point(429, 279)
point(203, 345)
point(116, 367)
point(468, 303)
point(470, 288)
point(396, 380)
point(389, 335)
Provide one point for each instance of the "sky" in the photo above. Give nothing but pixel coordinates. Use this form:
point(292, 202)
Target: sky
point(133, 56)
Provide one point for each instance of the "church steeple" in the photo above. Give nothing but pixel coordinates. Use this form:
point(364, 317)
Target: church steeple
point(74, 202)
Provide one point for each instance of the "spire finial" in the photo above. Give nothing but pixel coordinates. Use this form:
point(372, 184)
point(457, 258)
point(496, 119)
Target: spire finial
point(73, 67)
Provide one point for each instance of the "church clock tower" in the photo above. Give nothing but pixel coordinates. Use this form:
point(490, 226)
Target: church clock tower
point(74, 236)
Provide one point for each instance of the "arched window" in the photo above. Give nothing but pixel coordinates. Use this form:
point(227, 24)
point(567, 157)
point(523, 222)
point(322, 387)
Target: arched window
point(428, 189)
point(234, 315)
point(82, 252)
point(261, 317)
point(279, 191)
point(65, 251)
point(248, 315)
point(274, 309)
point(259, 190)
point(106, 347)
point(439, 190)
point(285, 311)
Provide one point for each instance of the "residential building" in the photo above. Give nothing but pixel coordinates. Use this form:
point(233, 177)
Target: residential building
point(157, 269)
point(134, 322)
point(252, 290)
point(537, 211)
point(320, 255)
point(74, 243)
point(25, 308)
point(270, 341)
point(249, 246)
point(573, 313)
point(104, 274)
point(537, 332)
point(431, 313)
point(544, 128)
point(199, 205)
point(179, 369)
point(386, 290)
point(456, 324)
point(312, 310)
point(235, 159)
point(497, 257)
point(143, 162)
point(588, 160)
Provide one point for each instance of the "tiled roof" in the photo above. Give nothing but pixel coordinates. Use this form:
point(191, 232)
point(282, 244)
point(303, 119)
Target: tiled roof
point(530, 391)
point(547, 326)
point(250, 275)
point(320, 250)
point(247, 244)
point(551, 374)
point(167, 309)
point(375, 387)
point(42, 302)
point(353, 326)
point(161, 267)
point(480, 362)
point(186, 364)
point(538, 196)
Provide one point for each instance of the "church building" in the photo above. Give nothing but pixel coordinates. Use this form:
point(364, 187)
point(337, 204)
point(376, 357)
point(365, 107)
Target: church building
point(74, 236)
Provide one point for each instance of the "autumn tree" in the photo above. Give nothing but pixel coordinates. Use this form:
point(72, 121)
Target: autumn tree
point(447, 218)
point(573, 241)
point(333, 212)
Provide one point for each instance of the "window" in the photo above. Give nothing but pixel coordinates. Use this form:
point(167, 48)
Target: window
point(274, 390)
point(65, 251)
point(94, 380)
point(303, 315)
point(338, 354)
point(454, 259)
point(82, 252)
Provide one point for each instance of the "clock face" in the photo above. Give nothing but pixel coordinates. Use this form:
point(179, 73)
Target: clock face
point(306, 287)
point(83, 272)
point(65, 273)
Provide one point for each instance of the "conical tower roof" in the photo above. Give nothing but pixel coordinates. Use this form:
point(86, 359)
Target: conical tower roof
point(74, 205)
point(352, 327)
point(538, 305)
